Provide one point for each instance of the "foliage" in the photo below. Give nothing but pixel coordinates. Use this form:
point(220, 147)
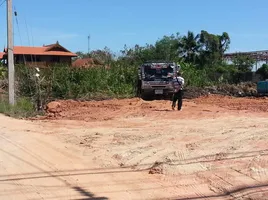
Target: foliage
point(193, 76)
point(189, 47)
point(201, 50)
point(101, 56)
point(22, 109)
point(63, 82)
point(243, 63)
point(3, 72)
point(199, 54)
point(263, 71)
point(212, 48)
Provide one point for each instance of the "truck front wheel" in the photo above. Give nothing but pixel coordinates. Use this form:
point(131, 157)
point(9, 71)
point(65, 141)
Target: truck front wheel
point(145, 96)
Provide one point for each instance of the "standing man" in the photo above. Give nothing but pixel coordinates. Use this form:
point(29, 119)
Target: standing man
point(177, 84)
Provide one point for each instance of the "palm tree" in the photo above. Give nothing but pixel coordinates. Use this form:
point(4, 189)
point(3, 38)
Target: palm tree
point(189, 47)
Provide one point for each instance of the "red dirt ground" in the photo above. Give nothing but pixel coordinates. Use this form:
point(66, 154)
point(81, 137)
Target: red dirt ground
point(206, 106)
point(214, 149)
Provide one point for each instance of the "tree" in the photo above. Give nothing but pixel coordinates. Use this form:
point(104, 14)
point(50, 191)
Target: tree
point(167, 48)
point(189, 47)
point(212, 48)
point(263, 71)
point(225, 41)
point(103, 56)
point(201, 50)
point(243, 63)
point(138, 54)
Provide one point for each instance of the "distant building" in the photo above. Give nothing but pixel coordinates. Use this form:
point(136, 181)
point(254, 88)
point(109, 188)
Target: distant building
point(44, 56)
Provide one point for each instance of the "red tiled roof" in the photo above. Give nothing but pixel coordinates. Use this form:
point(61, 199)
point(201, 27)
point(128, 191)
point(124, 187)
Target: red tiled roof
point(45, 50)
point(1, 55)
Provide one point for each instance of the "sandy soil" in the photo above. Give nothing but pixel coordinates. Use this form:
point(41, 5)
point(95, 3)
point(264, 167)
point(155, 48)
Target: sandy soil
point(215, 148)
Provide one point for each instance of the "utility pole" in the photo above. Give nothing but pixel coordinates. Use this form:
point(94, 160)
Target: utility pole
point(10, 62)
point(88, 44)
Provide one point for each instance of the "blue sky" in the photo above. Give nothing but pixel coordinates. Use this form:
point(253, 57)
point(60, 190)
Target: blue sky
point(114, 23)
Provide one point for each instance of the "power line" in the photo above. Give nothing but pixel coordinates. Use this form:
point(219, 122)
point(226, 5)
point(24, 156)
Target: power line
point(17, 22)
point(2, 2)
point(27, 30)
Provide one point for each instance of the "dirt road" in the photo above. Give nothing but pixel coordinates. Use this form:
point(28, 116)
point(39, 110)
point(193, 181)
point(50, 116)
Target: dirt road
point(130, 149)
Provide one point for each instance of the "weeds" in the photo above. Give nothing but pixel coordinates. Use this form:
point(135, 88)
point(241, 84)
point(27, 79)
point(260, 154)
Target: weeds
point(62, 82)
point(3, 72)
point(22, 109)
point(195, 77)
point(117, 81)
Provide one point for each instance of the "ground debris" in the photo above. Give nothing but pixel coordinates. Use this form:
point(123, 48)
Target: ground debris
point(157, 168)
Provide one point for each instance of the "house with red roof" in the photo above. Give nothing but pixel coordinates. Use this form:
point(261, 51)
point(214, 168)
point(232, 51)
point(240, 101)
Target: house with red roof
point(44, 56)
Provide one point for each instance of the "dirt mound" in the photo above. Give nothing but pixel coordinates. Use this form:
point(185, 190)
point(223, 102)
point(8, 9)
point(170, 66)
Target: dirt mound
point(96, 110)
point(239, 90)
point(246, 89)
point(195, 92)
point(54, 108)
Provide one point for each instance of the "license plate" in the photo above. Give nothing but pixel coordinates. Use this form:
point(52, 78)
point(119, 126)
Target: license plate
point(158, 91)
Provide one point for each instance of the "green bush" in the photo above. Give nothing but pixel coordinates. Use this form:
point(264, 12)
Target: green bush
point(22, 109)
point(119, 80)
point(63, 82)
point(195, 77)
point(3, 72)
point(263, 71)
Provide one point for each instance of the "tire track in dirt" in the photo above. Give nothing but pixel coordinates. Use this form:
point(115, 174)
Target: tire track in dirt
point(205, 147)
point(217, 184)
point(13, 160)
point(68, 181)
point(13, 183)
point(197, 191)
point(131, 187)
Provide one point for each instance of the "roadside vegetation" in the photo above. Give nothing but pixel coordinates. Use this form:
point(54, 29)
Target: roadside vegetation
point(200, 56)
point(24, 108)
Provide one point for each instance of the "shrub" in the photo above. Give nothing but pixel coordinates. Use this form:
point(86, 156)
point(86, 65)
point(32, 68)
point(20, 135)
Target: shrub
point(3, 72)
point(263, 71)
point(195, 77)
point(22, 109)
point(63, 82)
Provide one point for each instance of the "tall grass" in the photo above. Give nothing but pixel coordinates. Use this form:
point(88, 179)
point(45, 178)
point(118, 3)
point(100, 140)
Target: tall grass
point(119, 80)
point(3, 72)
point(22, 109)
point(63, 82)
